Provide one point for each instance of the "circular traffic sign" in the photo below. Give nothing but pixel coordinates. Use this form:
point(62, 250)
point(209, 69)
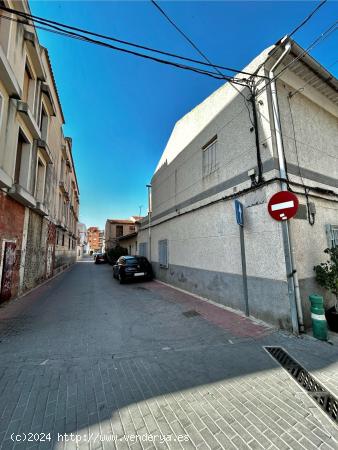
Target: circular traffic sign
point(283, 205)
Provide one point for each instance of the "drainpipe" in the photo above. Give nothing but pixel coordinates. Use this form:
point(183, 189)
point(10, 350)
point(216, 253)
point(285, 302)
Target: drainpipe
point(293, 284)
point(149, 220)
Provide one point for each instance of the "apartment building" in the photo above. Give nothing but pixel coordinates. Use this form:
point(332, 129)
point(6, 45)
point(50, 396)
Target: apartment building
point(218, 152)
point(82, 244)
point(38, 213)
point(94, 239)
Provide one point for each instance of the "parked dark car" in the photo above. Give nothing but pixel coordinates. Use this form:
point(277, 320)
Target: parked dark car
point(132, 268)
point(100, 258)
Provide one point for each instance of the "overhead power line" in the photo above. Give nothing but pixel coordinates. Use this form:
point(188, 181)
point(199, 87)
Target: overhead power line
point(184, 35)
point(296, 29)
point(56, 30)
point(325, 34)
point(39, 19)
point(203, 54)
point(307, 18)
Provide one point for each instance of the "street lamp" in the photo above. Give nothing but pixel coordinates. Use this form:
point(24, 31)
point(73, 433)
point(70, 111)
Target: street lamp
point(149, 219)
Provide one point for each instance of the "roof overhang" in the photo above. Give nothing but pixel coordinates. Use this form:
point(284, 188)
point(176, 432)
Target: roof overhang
point(308, 69)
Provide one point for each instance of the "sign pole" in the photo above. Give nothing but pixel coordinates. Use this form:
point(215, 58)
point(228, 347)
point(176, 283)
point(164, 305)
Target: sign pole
point(240, 220)
point(245, 279)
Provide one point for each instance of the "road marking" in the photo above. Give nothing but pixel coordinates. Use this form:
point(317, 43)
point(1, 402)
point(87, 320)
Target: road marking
point(43, 363)
point(283, 205)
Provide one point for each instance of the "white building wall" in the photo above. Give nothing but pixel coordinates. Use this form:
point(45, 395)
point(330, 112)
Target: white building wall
point(203, 245)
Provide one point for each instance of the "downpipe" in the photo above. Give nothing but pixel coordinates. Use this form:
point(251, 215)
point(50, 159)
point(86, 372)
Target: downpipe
point(292, 276)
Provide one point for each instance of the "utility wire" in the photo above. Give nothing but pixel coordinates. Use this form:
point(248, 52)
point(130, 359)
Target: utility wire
point(295, 30)
point(298, 27)
point(110, 38)
point(56, 30)
point(184, 35)
point(325, 34)
point(310, 81)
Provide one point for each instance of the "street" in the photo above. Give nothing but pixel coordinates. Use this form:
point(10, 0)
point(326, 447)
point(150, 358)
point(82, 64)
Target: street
point(85, 360)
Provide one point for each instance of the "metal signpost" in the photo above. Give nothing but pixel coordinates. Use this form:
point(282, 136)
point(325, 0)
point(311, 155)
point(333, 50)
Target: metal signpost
point(240, 220)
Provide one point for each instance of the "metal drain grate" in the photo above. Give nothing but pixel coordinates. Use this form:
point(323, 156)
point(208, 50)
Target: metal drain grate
point(191, 313)
point(324, 398)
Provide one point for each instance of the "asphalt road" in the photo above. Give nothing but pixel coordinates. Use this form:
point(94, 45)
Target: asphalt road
point(89, 363)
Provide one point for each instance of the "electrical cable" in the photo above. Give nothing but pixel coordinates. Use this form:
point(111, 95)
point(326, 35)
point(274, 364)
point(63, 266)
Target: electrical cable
point(91, 33)
point(311, 215)
point(310, 81)
point(252, 100)
point(325, 34)
point(322, 3)
point(239, 194)
point(70, 34)
point(297, 28)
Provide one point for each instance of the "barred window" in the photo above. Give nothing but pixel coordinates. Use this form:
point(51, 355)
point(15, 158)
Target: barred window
point(332, 235)
point(209, 150)
point(163, 253)
point(143, 249)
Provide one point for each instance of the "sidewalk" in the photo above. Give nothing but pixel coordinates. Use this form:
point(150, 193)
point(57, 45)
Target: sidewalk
point(86, 356)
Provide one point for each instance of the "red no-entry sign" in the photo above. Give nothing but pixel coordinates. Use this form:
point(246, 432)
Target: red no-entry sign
point(283, 205)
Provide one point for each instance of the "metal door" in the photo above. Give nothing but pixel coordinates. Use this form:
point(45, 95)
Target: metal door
point(7, 270)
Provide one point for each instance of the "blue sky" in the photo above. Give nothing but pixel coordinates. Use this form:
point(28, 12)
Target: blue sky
point(120, 109)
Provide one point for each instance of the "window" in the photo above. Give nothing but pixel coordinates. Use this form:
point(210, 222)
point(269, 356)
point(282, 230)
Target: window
point(40, 181)
point(22, 163)
point(63, 239)
point(119, 230)
point(132, 228)
point(142, 249)
point(163, 253)
point(28, 87)
point(332, 235)
point(43, 124)
point(210, 157)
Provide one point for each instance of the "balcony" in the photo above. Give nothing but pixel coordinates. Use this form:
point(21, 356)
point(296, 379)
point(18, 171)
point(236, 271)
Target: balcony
point(28, 119)
point(34, 53)
point(22, 196)
point(41, 209)
point(61, 224)
point(47, 154)
point(7, 76)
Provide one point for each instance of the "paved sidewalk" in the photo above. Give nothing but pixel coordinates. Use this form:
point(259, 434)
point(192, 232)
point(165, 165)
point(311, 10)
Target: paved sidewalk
point(87, 356)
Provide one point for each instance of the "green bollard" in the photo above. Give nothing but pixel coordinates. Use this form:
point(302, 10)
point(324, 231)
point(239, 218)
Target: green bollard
point(319, 325)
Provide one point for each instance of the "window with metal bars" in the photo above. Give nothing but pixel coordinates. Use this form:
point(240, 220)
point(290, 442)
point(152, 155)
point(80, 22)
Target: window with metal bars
point(210, 163)
point(332, 235)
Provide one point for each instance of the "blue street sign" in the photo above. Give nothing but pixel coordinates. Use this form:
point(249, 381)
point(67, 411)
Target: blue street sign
point(239, 213)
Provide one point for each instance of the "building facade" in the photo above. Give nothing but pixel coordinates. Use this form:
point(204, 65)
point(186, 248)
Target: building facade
point(231, 146)
point(94, 239)
point(38, 214)
point(116, 228)
point(82, 244)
